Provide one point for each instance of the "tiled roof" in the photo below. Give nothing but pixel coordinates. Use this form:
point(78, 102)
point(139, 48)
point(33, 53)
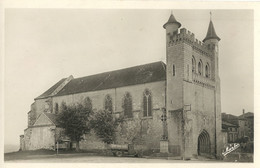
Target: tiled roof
point(229, 124)
point(52, 117)
point(229, 118)
point(246, 115)
point(125, 77)
point(211, 34)
point(49, 91)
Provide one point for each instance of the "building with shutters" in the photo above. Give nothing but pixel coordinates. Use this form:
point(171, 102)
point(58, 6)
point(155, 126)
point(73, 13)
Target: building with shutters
point(169, 108)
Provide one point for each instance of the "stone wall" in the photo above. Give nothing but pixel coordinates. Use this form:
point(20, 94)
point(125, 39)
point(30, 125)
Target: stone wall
point(41, 137)
point(241, 130)
point(117, 95)
point(175, 56)
point(201, 117)
point(145, 131)
point(27, 137)
point(200, 95)
point(190, 88)
point(43, 105)
point(22, 143)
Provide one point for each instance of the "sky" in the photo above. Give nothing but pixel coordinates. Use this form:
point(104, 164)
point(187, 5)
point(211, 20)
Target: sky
point(44, 45)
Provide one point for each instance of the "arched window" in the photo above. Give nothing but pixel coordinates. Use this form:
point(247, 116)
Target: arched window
point(200, 67)
point(173, 70)
point(127, 105)
point(108, 103)
point(193, 64)
point(88, 103)
point(207, 71)
point(147, 103)
point(56, 108)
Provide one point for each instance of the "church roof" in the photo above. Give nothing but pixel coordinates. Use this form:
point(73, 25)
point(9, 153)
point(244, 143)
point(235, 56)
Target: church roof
point(52, 117)
point(211, 34)
point(172, 20)
point(50, 91)
point(46, 118)
point(141, 74)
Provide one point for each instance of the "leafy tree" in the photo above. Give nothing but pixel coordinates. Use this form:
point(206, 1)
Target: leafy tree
point(105, 125)
point(75, 121)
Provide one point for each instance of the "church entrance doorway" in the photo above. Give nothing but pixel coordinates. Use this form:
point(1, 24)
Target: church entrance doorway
point(204, 143)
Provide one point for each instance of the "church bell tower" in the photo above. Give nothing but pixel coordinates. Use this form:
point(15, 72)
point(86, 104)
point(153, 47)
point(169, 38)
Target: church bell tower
point(193, 106)
point(212, 42)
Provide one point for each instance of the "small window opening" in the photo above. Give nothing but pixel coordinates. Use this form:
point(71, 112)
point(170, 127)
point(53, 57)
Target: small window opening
point(173, 70)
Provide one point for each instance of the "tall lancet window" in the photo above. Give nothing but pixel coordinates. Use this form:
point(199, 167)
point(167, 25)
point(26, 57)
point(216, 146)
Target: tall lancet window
point(88, 103)
point(127, 105)
point(173, 70)
point(147, 103)
point(108, 103)
point(193, 64)
point(56, 108)
point(200, 67)
point(207, 71)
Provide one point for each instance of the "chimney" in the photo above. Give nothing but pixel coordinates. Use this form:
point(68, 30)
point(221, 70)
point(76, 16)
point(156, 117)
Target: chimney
point(243, 111)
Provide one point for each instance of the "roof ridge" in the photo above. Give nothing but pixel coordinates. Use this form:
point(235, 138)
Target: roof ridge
point(163, 64)
point(48, 92)
point(139, 74)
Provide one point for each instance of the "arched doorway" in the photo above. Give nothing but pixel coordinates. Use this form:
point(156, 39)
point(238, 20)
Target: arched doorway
point(204, 143)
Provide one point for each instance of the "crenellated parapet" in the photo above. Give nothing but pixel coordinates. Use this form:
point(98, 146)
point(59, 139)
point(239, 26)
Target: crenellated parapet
point(186, 36)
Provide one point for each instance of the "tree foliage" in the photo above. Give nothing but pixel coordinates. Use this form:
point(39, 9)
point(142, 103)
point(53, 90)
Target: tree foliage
point(75, 121)
point(105, 125)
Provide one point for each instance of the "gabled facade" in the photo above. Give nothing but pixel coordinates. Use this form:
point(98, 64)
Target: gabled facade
point(40, 135)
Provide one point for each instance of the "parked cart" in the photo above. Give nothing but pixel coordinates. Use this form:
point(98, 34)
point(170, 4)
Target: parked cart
point(125, 150)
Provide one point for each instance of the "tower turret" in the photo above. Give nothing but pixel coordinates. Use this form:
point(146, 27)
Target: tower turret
point(172, 21)
point(171, 26)
point(212, 40)
point(211, 34)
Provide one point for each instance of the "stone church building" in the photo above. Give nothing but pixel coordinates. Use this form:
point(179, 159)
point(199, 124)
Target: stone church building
point(171, 108)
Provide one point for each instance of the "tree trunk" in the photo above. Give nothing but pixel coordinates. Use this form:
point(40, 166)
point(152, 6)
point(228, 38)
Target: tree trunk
point(77, 146)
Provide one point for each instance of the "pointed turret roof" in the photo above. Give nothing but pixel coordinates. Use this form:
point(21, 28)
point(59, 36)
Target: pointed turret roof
point(211, 34)
point(172, 20)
